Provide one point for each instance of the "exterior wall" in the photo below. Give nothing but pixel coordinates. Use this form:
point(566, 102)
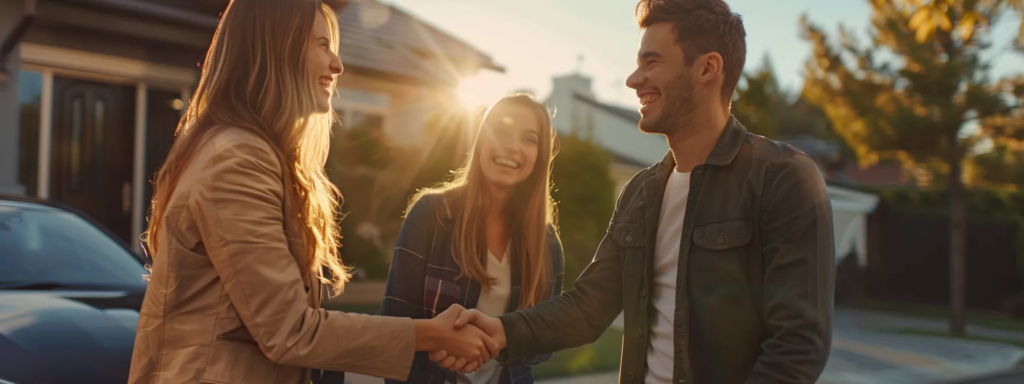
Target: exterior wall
point(10, 12)
point(624, 138)
point(409, 105)
point(616, 134)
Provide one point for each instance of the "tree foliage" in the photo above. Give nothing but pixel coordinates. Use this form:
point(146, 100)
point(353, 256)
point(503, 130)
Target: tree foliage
point(377, 176)
point(758, 101)
point(908, 94)
point(768, 109)
point(585, 193)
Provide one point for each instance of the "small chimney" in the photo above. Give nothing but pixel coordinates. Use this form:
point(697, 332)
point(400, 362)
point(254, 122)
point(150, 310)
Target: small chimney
point(574, 83)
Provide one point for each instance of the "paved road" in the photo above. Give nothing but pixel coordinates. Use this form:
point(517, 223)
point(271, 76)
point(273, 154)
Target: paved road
point(1010, 376)
point(864, 350)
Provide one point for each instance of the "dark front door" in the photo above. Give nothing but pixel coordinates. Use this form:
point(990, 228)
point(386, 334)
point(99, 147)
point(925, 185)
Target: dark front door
point(93, 146)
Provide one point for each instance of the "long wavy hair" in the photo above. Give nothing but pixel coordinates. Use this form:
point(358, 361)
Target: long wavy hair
point(529, 212)
point(255, 77)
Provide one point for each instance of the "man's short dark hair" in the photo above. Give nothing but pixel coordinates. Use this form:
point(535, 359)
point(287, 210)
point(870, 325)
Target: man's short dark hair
point(702, 26)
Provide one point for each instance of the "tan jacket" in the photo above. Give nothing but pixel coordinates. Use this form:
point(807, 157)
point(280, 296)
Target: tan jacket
point(231, 298)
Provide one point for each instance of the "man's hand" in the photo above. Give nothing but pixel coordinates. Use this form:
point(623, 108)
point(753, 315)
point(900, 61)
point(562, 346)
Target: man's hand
point(473, 318)
point(491, 325)
point(467, 347)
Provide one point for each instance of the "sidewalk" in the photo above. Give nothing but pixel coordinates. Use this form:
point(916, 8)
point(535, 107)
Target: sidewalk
point(864, 353)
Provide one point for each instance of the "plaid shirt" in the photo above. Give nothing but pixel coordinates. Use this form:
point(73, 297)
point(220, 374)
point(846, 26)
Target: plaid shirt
point(423, 283)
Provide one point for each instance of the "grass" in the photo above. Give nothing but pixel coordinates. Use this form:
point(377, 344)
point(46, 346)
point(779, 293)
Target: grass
point(988, 319)
point(929, 332)
point(600, 356)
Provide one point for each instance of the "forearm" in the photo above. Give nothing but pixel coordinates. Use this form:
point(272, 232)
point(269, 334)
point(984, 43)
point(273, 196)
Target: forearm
point(337, 341)
point(566, 321)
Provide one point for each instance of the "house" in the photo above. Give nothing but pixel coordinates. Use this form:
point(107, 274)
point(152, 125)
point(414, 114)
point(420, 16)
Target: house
point(615, 129)
point(610, 126)
point(91, 91)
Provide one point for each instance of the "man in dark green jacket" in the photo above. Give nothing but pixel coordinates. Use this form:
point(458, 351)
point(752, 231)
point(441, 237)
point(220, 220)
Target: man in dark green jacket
point(721, 255)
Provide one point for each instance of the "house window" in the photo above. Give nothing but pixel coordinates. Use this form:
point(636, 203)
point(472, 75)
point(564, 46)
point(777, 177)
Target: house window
point(30, 93)
point(361, 109)
point(366, 120)
point(359, 134)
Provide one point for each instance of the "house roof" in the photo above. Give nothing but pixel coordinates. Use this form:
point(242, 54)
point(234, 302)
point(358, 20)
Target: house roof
point(630, 115)
point(375, 37)
point(822, 150)
point(621, 138)
point(384, 38)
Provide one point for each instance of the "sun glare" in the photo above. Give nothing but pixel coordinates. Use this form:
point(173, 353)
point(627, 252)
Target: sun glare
point(482, 89)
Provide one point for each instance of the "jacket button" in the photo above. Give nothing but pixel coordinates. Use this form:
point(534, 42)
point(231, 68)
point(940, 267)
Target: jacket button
point(721, 238)
point(643, 292)
point(631, 376)
point(639, 333)
point(629, 238)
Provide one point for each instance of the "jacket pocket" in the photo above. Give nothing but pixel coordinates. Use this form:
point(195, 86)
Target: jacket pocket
point(632, 238)
point(630, 235)
point(723, 235)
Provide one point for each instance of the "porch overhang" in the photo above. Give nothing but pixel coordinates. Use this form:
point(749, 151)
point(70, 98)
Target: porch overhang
point(12, 38)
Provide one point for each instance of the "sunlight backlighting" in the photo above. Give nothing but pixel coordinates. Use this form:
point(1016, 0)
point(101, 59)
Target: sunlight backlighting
point(482, 89)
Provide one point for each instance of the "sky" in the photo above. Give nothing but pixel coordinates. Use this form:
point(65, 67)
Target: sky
point(535, 40)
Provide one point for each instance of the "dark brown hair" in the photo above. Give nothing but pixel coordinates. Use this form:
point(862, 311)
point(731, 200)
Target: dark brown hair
point(702, 26)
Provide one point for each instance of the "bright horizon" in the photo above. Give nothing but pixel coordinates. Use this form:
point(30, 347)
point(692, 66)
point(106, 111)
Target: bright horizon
point(535, 40)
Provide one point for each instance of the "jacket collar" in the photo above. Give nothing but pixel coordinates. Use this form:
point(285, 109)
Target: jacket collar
point(726, 148)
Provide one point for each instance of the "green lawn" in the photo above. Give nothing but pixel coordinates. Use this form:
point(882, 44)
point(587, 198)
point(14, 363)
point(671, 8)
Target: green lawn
point(600, 356)
point(975, 317)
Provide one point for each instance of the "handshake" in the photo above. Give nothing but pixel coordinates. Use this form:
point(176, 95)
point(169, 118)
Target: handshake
point(460, 339)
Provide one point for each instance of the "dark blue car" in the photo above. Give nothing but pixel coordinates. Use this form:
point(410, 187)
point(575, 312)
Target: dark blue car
point(70, 293)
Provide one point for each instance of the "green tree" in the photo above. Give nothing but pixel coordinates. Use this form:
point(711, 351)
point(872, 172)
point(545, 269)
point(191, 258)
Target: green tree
point(584, 192)
point(769, 110)
point(909, 93)
point(1001, 165)
point(758, 101)
point(377, 176)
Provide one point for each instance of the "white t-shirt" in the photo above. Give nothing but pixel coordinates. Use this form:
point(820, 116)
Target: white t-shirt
point(661, 351)
point(493, 302)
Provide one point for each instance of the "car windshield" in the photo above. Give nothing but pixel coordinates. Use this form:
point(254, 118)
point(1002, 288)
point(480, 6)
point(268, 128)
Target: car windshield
point(58, 247)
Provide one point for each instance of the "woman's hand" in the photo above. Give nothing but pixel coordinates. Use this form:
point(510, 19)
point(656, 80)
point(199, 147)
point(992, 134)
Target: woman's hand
point(465, 349)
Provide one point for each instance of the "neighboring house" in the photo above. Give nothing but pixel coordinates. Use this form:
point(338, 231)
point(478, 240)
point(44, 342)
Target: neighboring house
point(610, 126)
point(92, 91)
point(615, 129)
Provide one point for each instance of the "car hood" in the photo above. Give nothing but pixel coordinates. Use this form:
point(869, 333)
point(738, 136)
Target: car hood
point(62, 337)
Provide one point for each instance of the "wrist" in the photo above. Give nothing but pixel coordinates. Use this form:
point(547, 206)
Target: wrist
point(500, 338)
point(426, 331)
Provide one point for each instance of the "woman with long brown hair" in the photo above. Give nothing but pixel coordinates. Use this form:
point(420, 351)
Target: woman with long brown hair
point(484, 240)
point(244, 221)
